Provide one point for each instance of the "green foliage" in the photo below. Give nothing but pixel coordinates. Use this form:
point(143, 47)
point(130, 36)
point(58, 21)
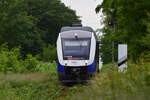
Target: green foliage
point(145, 57)
point(30, 63)
point(47, 67)
point(9, 60)
point(35, 86)
point(109, 84)
point(17, 28)
point(49, 54)
point(131, 24)
point(32, 24)
point(113, 85)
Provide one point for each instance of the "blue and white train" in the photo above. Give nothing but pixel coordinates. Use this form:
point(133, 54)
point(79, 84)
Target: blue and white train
point(78, 53)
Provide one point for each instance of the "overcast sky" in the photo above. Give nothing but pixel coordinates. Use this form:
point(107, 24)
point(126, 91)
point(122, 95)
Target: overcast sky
point(85, 9)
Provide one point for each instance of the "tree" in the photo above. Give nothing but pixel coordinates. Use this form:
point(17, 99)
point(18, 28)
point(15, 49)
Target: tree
point(131, 19)
point(33, 24)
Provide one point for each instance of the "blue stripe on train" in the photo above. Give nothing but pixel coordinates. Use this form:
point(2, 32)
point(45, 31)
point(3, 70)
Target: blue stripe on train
point(60, 67)
point(92, 67)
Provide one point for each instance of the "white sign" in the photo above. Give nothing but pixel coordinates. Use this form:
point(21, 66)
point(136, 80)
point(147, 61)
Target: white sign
point(122, 57)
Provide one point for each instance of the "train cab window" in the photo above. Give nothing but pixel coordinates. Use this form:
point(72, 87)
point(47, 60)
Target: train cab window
point(76, 49)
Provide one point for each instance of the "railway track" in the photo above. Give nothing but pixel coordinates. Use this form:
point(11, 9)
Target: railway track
point(63, 91)
point(58, 92)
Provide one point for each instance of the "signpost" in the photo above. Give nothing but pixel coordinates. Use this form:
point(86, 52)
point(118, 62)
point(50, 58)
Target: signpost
point(122, 57)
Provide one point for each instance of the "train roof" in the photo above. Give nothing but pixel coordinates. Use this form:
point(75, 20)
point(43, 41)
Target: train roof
point(89, 29)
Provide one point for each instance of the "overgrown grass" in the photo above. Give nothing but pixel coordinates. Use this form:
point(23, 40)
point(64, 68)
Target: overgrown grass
point(39, 90)
point(109, 84)
point(134, 84)
point(30, 86)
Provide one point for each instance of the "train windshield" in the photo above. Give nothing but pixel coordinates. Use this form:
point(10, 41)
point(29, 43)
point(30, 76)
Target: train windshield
point(76, 49)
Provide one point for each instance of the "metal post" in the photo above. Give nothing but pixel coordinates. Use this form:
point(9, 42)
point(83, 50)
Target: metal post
point(113, 52)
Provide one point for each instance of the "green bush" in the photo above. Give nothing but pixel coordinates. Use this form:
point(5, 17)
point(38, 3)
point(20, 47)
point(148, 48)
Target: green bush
point(49, 53)
point(30, 63)
point(47, 67)
point(9, 60)
point(134, 84)
point(145, 57)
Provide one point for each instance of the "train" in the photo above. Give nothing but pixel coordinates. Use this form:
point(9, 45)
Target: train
point(78, 53)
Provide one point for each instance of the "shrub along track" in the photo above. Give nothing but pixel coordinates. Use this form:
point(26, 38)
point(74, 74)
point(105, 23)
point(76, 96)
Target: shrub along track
point(29, 86)
point(33, 86)
point(107, 85)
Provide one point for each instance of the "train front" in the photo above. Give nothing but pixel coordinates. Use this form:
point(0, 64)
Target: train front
point(76, 51)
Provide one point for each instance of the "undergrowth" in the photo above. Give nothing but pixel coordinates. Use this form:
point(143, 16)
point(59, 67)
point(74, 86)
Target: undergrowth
point(134, 84)
point(109, 84)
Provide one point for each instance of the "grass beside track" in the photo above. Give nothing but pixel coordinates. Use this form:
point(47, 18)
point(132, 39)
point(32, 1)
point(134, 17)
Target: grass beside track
point(134, 84)
point(35, 86)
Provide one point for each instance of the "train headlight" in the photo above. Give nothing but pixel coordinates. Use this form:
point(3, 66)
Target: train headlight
point(86, 63)
point(65, 64)
point(76, 36)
